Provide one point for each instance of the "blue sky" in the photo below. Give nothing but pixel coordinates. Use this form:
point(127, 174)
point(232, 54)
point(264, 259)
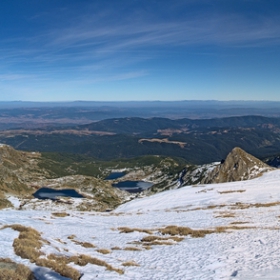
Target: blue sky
point(63, 50)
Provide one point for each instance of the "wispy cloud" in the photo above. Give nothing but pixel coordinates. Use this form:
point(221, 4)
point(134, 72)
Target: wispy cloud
point(215, 29)
point(106, 35)
point(112, 77)
point(88, 44)
point(15, 77)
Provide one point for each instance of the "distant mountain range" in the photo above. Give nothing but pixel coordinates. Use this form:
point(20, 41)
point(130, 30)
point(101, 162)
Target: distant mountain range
point(19, 114)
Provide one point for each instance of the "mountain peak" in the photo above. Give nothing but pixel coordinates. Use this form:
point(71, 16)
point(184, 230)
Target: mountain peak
point(238, 166)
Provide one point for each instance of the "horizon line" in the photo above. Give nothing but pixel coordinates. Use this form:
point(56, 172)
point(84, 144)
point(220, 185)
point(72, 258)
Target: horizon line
point(122, 101)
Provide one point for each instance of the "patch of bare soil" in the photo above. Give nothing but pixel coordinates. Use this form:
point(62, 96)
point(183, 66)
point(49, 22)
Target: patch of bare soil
point(165, 140)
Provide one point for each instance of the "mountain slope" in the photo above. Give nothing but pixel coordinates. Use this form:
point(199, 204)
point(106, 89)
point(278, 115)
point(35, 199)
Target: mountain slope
point(21, 175)
point(263, 189)
point(237, 166)
point(217, 231)
point(197, 141)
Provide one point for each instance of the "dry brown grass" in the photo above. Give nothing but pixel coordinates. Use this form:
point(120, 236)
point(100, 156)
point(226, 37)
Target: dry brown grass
point(10, 270)
point(87, 245)
point(214, 206)
point(129, 230)
point(135, 242)
point(116, 214)
point(178, 210)
point(104, 251)
point(153, 238)
point(132, 249)
point(231, 191)
point(270, 204)
point(238, 223)
point(177, 239)
point(59, 264)
point(240, 205)
point(174, 234)
point(28, 243)
point(204, 208)
point(5, 203)
point(225, 215)
point(83, 244)
point(60, 267)
point(60, 241)
point(28, 246)
point(60, 214)
point(223, 229)
point(205, 190)
point(116, 248)
point(272, 228)
point(71, 236)
point(158, 242)
point(130, 263)
point(83, 260)
point(184, 231)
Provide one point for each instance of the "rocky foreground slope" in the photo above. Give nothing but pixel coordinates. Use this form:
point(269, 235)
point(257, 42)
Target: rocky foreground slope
point(21, 176)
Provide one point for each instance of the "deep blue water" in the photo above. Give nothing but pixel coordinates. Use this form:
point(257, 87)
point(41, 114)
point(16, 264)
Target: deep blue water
point(133, 186)
point(48, 193)
point(115, 175)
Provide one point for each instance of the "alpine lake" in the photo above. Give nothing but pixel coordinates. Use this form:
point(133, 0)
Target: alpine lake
point(129, 186)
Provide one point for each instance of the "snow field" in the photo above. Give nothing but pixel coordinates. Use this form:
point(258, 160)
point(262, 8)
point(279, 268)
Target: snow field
point(244, 253)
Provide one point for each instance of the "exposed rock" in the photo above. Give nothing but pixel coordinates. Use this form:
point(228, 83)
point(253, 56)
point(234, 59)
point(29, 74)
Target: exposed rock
point(195, 174)
point(20, 176)
point(163, 175)
point(238, 166)
point(100, 195)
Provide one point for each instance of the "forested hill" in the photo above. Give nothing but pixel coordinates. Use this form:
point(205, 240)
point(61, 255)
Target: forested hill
point(197, 141)
point(141, 125)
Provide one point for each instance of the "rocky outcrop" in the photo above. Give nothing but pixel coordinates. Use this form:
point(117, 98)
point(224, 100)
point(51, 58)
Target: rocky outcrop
point(21, 176)
point(238, 166)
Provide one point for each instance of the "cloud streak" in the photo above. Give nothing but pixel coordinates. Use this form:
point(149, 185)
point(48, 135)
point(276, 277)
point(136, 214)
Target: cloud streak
point(119, 43)
point(215, 29)
point(102, 38)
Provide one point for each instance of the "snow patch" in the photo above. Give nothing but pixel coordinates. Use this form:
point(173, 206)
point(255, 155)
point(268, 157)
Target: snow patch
point(250, 253)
